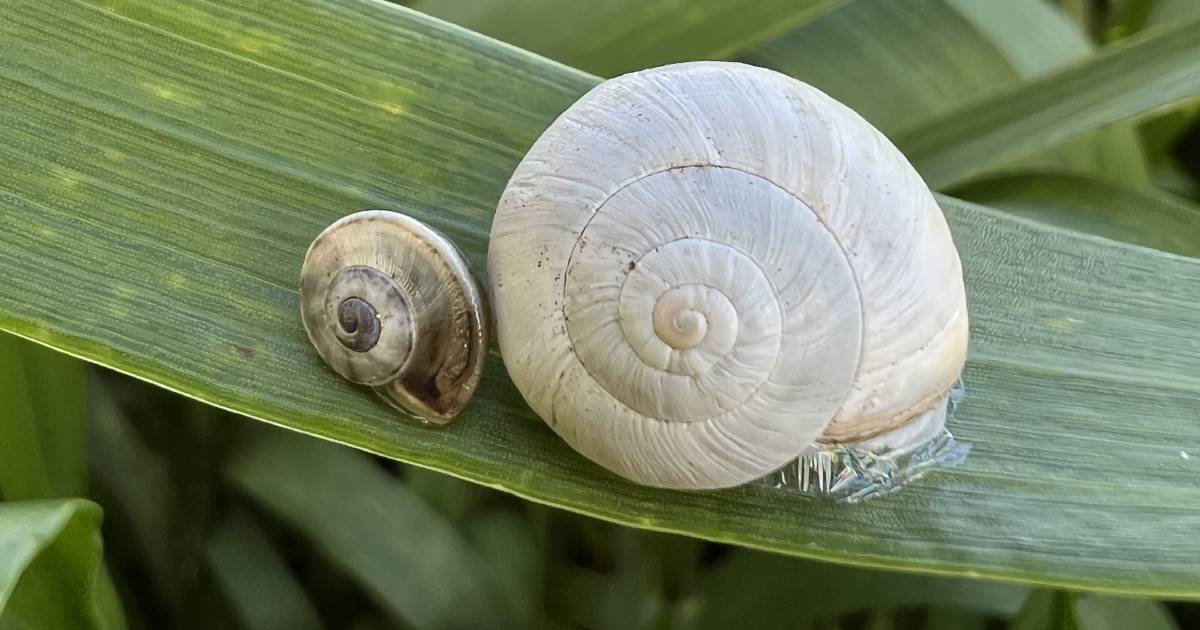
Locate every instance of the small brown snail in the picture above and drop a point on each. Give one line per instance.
(389, 302)
(701, 270)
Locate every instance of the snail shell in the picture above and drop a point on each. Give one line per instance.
(389, 302)
(700, 270)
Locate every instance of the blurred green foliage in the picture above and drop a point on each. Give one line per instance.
(210, 520)
(214, 521)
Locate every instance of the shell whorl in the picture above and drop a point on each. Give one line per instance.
(701, 269)
(389, 302)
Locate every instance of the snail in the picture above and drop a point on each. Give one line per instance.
(389, 302)
(700, 270)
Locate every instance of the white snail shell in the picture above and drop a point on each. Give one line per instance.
(699, 270)
(388, 301)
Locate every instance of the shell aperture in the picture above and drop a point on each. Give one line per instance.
(701, 269)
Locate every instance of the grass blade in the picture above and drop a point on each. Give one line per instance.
(369, 523)
(1164, 12)
(754, 589)
(902, 65)
(507, 545)
(1097, 206)
(255, 579)
(1098, 612)
(51, 567)
(1151, 72)
(1047, 610)
(611, 37)
(1059, 610)
(141, 495)
(42, 437)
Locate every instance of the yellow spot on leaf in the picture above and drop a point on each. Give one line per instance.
(249, 45)
(123, 296)
(1063, 324)
(169, 93)
(162, 91)
(393, 108)
(66, 178)
(177, 279)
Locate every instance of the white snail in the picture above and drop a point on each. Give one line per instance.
(700, 270)
(389, 302)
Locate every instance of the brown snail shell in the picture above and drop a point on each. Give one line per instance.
(389, 302)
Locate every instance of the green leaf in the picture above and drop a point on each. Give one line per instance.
(1037, 39)
(628, 594)
(42, 436)
(611, 37)
(1100, 612)
(1047, 610)
(1166, 12)
(954, 619)
(1059, 610)
(1152, 71)
(140, 494)
(900, 64)
(451, 497)
(406, 555)
(903, 64)
(255, 578)
(1130, 16)
(166, 168)
(508, 547)
(1085, 13)
(750, 589)
(1097, 206)
(51, 567)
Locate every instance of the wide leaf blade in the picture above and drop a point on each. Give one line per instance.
(166, 168)
(901, 65)
(52, 572)
(1153, 71)
(611, 37)
(1059, 610)
(750, 589)
(1097, 206)
(255, 578)
(370, 524)
(42, 435)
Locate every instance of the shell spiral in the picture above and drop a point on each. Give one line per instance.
(701, 269)
(388, 301)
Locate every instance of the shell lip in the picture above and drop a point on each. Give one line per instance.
(407, 388)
